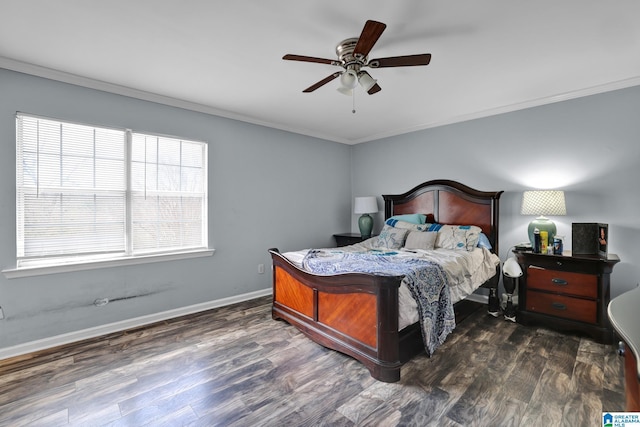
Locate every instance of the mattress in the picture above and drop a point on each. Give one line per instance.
(466, 272)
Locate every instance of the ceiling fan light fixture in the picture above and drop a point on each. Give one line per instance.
(353, 54)
(366, 81)
(348, 79)
(345, 90)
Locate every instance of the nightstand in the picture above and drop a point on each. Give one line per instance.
(567, 293)
(345, 239)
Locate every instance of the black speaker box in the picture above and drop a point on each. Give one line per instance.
(584, 238)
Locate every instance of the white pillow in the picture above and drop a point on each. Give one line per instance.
(421, 240)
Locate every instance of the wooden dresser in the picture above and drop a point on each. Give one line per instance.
(567, 293)
(625, 318)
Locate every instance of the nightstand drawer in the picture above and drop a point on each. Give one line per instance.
(582, 310)
(585, 285)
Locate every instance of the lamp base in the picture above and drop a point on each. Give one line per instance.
(542, 224)
(493, 307)
(510, 310)
(365, 223)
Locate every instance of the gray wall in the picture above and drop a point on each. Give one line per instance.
(272, 188)
(589, 147)
(267, 188)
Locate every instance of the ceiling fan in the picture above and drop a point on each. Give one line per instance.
(353, 56)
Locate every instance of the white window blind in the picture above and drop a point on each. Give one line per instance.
(167, 193)
(85, 191)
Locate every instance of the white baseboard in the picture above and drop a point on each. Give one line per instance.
(43, 344)
(122, 325)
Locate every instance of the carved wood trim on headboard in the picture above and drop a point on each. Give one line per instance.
(449, 202)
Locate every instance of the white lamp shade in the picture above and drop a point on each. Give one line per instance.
(345, 91)
(348, 79)
(366, 81)
(365, 205)
(511, 268)
(543, 202)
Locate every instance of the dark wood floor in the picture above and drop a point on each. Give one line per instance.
(235, 366)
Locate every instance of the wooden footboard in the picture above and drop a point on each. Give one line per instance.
(355, 313)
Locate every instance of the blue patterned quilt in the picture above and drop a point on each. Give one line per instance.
(426, 280)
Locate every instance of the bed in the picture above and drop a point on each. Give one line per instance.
(358, 313)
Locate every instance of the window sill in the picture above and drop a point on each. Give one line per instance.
(14, 273)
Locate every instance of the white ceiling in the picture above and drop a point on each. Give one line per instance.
(224, 57)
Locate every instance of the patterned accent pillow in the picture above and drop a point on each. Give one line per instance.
(421, 240)
(406, 225)
(458, 237)
(390, 238)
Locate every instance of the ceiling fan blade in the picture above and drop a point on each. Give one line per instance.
(401, 61)
(310, 59)
(322, 82)
(374, 89)
(370, 34)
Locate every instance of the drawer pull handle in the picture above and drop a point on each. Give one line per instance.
(558, 306)
(559, 282)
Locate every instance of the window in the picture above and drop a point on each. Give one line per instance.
(88, 193)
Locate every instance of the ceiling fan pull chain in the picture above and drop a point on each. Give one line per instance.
(353, 94)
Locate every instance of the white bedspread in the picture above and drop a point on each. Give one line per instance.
(466, 271)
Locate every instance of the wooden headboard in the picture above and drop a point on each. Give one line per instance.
(449, 202)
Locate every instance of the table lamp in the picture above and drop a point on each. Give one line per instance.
(543, 202)
(365, 206)
(511, 271)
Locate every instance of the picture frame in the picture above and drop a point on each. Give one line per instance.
(590, 238)
(603, 240)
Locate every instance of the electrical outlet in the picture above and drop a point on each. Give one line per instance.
(260, 268)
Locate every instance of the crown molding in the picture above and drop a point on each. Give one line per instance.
(594, 90)
(74, 79)
(77, 80)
